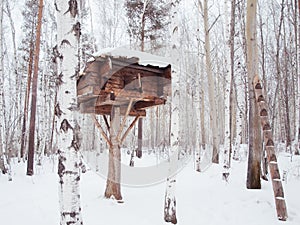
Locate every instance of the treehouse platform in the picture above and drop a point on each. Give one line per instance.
(108, 80)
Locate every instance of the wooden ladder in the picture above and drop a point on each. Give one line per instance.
(269, 146)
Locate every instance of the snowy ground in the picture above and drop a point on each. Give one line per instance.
(202, 198)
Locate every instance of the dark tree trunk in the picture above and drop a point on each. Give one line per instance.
(34, 93)
(264, 166)
(53, 124)
(25, 117)
(139, 151)
(286, 100)
(140, 122)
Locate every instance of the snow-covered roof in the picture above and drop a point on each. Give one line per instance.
(144, 58)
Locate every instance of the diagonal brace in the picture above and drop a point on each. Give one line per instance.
(124, 119)
(98, 125)
(129, 129)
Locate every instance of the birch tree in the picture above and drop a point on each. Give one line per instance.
(254, 154)
(211, 84)
(199, 102)
(227, 141)
(170, 200)
(14, 63)
(66, 112)
(200, 93)
(202, 113)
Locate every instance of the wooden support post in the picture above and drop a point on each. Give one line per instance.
(140, 83)
(269, 145)
(106, 122)
(113, 187)
(139, 152)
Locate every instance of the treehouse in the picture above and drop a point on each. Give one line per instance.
(139, 82)
(121, 83)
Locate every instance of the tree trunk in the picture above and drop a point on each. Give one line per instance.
(143, 29)
(170, 199)
(239, 123)
(139, 152)
(297, 152)
(278, 99)
(211, 87)
(233, 103)
(287, 108)
(113, 187)
(157, 132)
(254, 154)
(140, 122)
(228, 91)
(69, 138)
(53, 124)
(25, 116)
(202, 93)
(196, 111)
(286, 98)
(15, 63)
(198, 99)
(31, 146)
(2, 122)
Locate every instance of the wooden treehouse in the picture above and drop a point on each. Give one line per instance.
(120, 81)
(118, 86)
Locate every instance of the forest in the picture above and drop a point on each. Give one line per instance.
(158, 111)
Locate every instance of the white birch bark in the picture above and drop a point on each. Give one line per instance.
(227, 115)
(202, 95)
(199, 98)
(197, 112)
(66, 110)
(170, 200)
(15, 62)
(239, 123)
